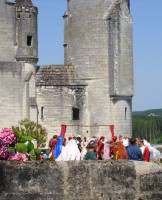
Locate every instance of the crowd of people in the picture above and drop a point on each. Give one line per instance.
(77, 148)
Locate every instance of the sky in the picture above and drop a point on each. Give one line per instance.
(147, 44)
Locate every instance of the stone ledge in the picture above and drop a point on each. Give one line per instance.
(84, 180)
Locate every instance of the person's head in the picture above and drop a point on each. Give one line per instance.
(126, 136)
(79, 139)
(55, 137)
(141, 143)
(120, 137)
(102, 138)
(132, 141)
(70, 138)
(108, 141)
(91, 145)
(138, 140)
(74, 138)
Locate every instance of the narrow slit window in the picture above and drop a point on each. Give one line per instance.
(29, 40)
(42, 113)
(75, 113)
(18, 15)
(125, 113)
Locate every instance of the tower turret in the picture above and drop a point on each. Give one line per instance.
(26, 31)
(24, 3)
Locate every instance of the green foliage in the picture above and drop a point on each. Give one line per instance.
(30, 146)
(146, 113)
(28, 130)
(11, 149)
(37, 152)
(32, 155)
(149, 128)
(21, 148)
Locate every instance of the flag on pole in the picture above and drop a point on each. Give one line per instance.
(63, 130)
(112, 132)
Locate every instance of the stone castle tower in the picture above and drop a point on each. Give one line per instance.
(93, 88)
(18, 54)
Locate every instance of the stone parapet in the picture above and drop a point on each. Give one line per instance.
(85, 180)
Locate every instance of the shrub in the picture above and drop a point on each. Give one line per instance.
(28, 130)
(32, 155)
(37, 152)
(30, 146)
(21, 148)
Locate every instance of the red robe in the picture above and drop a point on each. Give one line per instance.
(118, 151)
(146, 154)
(100, 148)
(52, 145)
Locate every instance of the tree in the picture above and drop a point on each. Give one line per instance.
(148, 127)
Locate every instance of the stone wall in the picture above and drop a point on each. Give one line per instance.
(15, 92)
(17, 79)
(7, 31)
(58, 92)
(85, 180)
(98, 42)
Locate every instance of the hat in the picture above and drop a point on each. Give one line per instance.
(91, 144)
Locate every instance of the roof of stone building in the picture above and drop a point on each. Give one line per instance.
(24, 3)
(56, 75)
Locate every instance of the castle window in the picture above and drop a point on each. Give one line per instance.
(42, 113)
(29, 40)
(18, 16)
(75, 113)
(65, 45)
(125, 113)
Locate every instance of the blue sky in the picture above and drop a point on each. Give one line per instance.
(147, 30)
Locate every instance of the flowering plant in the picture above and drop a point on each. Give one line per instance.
(3, 151)
(18, 156)
(7, 136)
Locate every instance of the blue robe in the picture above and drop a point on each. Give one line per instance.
(134, 153)
(58, 147)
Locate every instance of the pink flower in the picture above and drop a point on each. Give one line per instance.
(3, 152)
(18, 157)
(7, 136)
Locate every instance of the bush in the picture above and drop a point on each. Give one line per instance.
(32, 155)
(21, 148)
(28, 130)
(30, 146)
(37, 152)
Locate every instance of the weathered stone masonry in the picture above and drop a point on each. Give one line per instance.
(18, 53)
(85, 180)
(94, 87)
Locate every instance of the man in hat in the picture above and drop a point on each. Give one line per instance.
(91, 151)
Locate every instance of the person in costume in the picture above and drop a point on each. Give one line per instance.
(106, 153)
(119, 151)
(58, 147)
(134, 152)
(52, 145)
(100, 148)
(70, 152)
(145, 151)
(91, 151)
